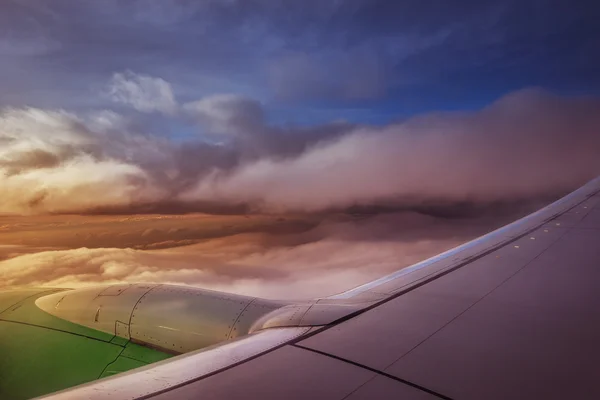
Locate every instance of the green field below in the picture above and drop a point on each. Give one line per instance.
(41, 354)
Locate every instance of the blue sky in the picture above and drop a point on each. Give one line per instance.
(308, 62)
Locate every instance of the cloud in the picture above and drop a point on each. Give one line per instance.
(144, 93)
(77, 185)
(227, 113)
(241, 123)
(86, 267)
(526, 144)
(286, 257)
(338, 253)
(51, 162)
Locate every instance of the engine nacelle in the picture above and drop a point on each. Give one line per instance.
(176, 319)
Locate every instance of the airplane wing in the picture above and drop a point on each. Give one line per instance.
(514, 314)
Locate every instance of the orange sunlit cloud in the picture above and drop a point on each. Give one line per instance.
(277, 257)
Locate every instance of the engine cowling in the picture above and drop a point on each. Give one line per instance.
(176, 319)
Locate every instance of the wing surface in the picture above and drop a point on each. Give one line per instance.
(514, 314)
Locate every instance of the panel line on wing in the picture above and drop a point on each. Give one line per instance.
(480, 299)
(379, 372)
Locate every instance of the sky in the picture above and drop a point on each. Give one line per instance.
(365, 61)
(322, 132)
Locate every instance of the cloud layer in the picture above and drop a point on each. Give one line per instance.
(297, 258)
(313, 210)
(527, 144)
